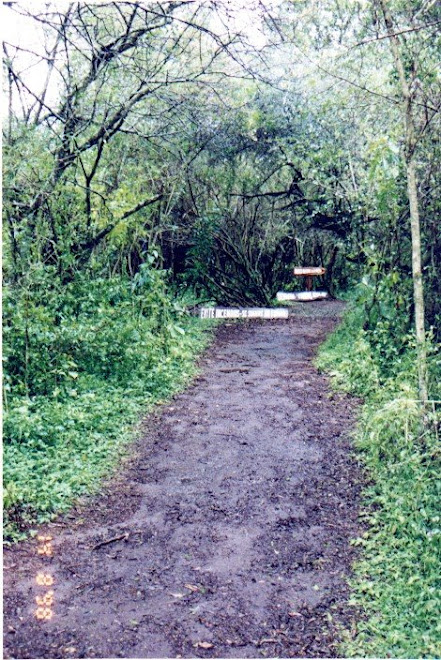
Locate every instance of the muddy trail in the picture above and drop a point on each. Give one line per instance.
(225, 535)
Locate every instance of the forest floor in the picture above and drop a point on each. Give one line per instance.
(227, 532)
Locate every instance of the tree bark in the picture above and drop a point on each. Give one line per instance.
(412, 191)
(417, 276)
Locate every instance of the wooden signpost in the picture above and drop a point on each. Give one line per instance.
(243, 313)
(309, 272)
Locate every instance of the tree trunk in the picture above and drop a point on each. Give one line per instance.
(418, 293)
(411, 140)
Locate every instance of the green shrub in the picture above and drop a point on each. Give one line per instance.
(83, 361)
(396, 587)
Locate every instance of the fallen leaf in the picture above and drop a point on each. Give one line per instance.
(203, 645)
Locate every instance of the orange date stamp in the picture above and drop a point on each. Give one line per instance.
(45, 601)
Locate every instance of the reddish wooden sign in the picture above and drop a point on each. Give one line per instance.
(310, 270)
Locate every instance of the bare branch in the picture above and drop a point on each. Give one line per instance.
(396, 34)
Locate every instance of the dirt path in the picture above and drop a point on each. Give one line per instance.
(233, 521)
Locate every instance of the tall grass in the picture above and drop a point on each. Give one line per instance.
(396, 585)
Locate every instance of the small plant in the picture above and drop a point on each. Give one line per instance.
(395, 587)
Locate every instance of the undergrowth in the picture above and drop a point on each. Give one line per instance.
(83, 362)
(396, 584)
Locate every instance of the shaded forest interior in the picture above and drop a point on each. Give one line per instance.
(229, 153)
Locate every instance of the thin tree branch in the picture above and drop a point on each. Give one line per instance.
(395, 34)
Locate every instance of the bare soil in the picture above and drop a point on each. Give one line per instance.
(227, 534)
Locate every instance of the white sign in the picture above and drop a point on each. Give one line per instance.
(243, 313)
(302, 295)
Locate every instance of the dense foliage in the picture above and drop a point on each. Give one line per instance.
(395, 589)
(85, 359)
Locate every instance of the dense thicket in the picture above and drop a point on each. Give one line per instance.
(168, 132)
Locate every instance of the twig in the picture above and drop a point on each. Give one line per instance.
(113, 540)
(242, 370)
(72, 570)
(396, 34)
